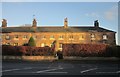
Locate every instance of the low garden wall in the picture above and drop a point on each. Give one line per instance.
(29, 58)
(52, 58)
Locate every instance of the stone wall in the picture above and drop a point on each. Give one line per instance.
(78, 37)
(29, 58)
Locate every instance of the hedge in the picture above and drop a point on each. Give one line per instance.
(26, 50)
(82, 50)
(88, 50)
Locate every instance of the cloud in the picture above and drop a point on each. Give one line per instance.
(112, 13)
(93, 14)
(109, 15)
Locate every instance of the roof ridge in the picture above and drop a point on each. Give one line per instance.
(56, 29)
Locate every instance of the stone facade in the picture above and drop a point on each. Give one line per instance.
(43, 37)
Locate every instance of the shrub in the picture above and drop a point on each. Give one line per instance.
(87, 50)
(31, 42)
(83, 49)
(12, 50)
(26, 50)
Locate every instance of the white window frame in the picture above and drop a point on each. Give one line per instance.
(16, 37)
(71, 37)
(105, 37)
(43, 44)
(92, 36)
(52, 37)
(7, 43)
(43, 37)
(35, 37)
(61, 37)
(81, 37)
(16, 44)
(7, 37)
(60, 46)
(24, 37)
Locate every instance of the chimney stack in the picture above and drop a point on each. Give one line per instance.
(96, 23)
(65, 23)
(4, 23)
(34, 24)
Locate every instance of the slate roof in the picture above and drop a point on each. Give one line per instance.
(55, 29)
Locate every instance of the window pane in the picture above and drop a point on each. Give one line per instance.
(16, 36)
(7, 37)
(104, 37)
(92, 35)
(43, 44)
(24, 36)
(61, 36)
(7, 43)
(43, 37)
(52, 36)
(60, 45)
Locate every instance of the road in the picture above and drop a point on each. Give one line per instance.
(60, 68)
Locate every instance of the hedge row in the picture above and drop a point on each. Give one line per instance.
(26, 50)
(83, 50)
(113, 51)
(102, 50)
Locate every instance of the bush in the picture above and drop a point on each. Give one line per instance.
(26, 50)
(83, 49)
(31, 42)
(88, 50)
(13, 50)
(113, 51)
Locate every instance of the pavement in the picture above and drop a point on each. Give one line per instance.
(61, 67)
